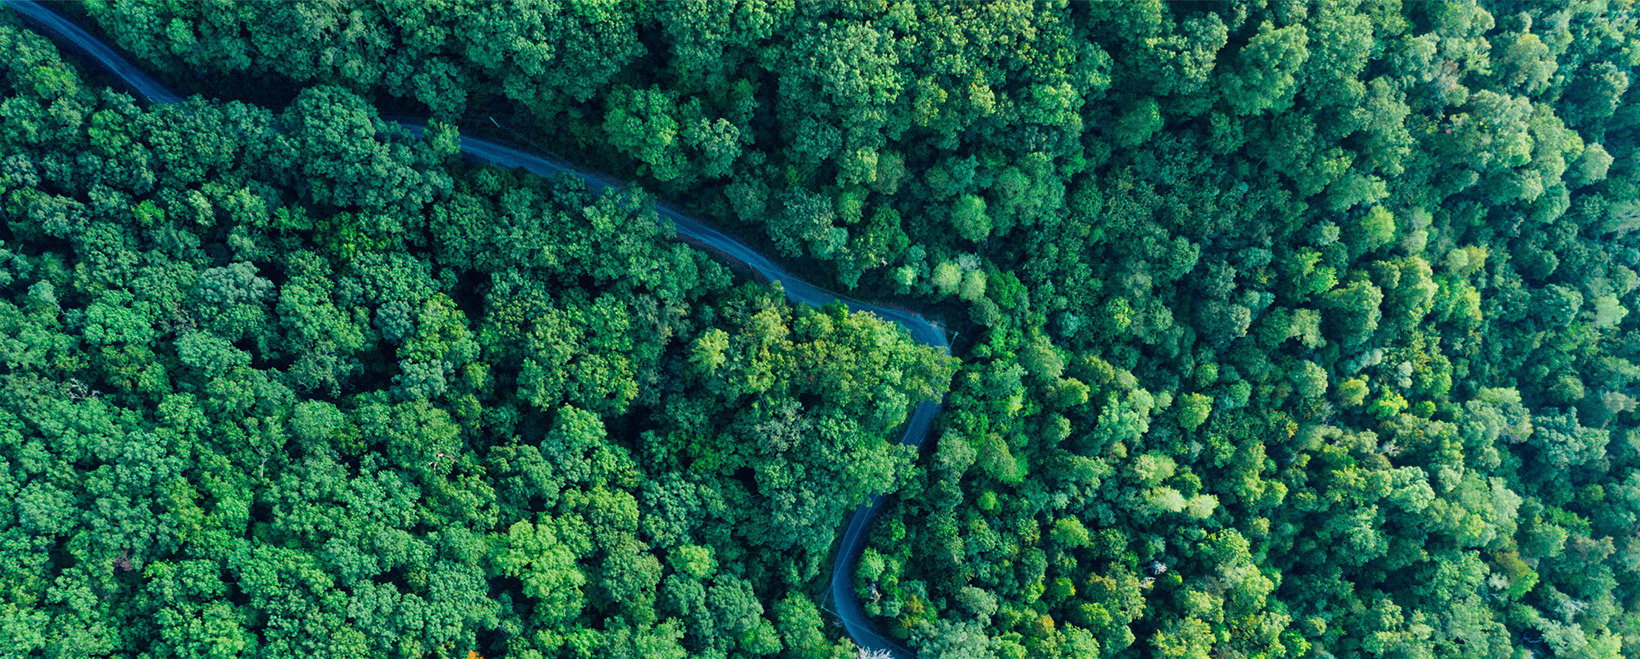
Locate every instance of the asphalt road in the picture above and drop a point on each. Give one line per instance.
(846, 604)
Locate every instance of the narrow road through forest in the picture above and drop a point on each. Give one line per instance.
(845, 604)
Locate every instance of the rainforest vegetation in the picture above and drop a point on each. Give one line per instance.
(1283, 329)
(295, 384)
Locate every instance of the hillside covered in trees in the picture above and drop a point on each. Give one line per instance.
(1285, 329)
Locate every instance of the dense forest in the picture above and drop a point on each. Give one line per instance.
(296, 384)
(1285, 329)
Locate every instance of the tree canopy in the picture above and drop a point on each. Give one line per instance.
(1285, 329)
(297, 383)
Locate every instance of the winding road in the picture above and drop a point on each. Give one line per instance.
(847, 606)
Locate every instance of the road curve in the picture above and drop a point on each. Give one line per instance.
(841, 591)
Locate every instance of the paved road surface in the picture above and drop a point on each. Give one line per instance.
(846, 605)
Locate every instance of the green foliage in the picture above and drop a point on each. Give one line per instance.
(1193, 410)
(969, 219)
(299, 384)
(1321, 307)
